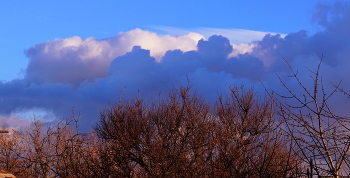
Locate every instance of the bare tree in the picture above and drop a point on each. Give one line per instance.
(182, 136)
(9, 160)
(57, 150)
(251, 144)
(321, 136)
(171, 138)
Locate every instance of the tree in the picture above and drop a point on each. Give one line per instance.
(321, 136)
(250, 141)
(8, 158)
(182, 136)
(171, 138)
(57, 150)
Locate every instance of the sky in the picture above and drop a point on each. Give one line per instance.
(59, 55)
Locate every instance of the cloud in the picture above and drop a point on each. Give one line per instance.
(12, 122)
(241, 49)
(70, 60)
(89, 74)
(242, 40)
(136, 70)
(74, 60)
(236, 36)
(332, 41)
(158, 44)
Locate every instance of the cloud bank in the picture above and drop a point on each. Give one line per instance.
(89, 74)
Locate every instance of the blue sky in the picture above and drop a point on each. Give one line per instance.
(59, 55)
(25, 23)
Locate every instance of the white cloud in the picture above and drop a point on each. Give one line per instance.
(157, 44)
(236, 36)
(241, 49)
(88, 59)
